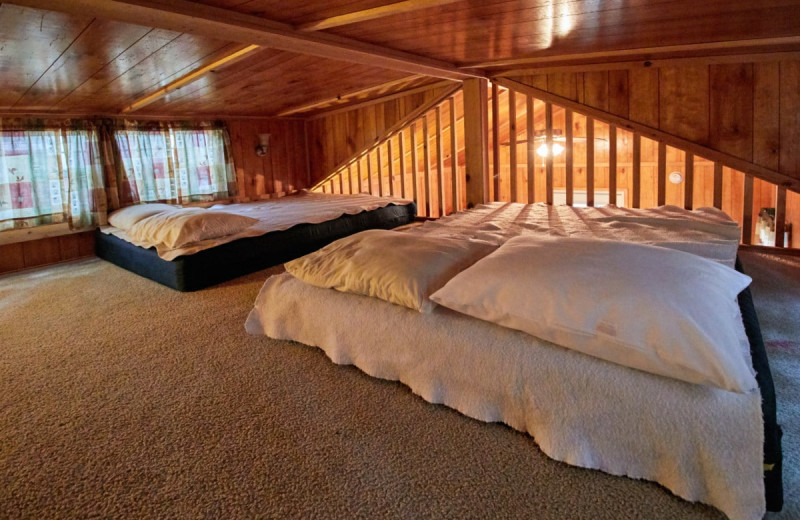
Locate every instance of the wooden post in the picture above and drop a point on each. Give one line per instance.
(391, 166)
(718, 185)
(402, 164)
(476, 141)
(747, 210)
(688, 183)
(454, 155)
(662, 174)
(414, 165)
(426, 154)
(495, 195)
(637, 170)
(780, 216)
(531, 149)
(589, 161)
(360, 176)
(512, 143)
(548, 120)
(568, 157)
(612, 164)
(440, 160)
(380, 170)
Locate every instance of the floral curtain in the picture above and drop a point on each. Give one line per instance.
(172, 162)
(49, 173)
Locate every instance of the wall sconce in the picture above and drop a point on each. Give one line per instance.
(676, 177)
(263, 145)
(543, 150)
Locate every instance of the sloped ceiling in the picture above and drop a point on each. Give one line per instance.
(103, 56)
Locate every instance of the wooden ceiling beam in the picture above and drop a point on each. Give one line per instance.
(371, 14)
(188, 78)
(782, 44)
(223, 24)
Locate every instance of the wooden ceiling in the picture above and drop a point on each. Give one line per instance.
(171, 57)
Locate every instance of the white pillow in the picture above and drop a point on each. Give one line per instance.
(179, 227)
(655, 309)
(124, 218)
(397, 267)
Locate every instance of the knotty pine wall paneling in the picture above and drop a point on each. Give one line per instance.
(283, 170)
(44, 251)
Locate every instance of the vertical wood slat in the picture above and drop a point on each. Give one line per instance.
(548, 117)
(747, 210)
(688, 183)
(589, 161)
(531, 150)
(495, 143)
(637, 170)
(360, 176)
(662, 174)
(780, 216)
(512, 143)
(369, 172)
(454, 155)
(718, 185)
(391, 166)
(612, 164)
(402, 146)
(568, 157)
(440, 160)
(341, 181)
(414, 166)
(379, 173)
(350, 177)
(426, 155)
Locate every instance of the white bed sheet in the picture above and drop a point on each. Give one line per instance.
(702, 443)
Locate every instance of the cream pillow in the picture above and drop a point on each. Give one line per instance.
(124, 218)
(655, 309)
(397, 267)
(179, 227)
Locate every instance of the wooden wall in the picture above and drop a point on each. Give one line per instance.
(283, 170)
(52, 250)
(335, 138)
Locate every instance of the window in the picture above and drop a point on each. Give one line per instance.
(173, 164)
(50, 176)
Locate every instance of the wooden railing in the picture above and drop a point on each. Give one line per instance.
(542, 151)
(417, 159)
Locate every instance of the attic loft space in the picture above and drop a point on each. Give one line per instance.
(329, 82)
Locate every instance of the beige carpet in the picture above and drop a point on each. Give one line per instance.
(120, 398)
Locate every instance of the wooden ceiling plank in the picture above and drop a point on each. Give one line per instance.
(364, 15)
(53, 35)
(702, 49)
(742, 165)
(366, 91)
(78, 63)
(188, 78)
(382, 99)
(169, 62)
(644, 61)
(208, 21)
(90, 89)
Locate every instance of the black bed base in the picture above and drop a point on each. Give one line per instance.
(773, 455)
(246, 255)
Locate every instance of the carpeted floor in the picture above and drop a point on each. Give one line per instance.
(120, 398)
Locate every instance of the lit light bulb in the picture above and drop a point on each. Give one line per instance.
(543, 150)
(557, 149)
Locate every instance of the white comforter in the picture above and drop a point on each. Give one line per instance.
(702, 443)
(275, 215)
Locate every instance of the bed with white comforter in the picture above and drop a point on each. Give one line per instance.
(702, 442)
